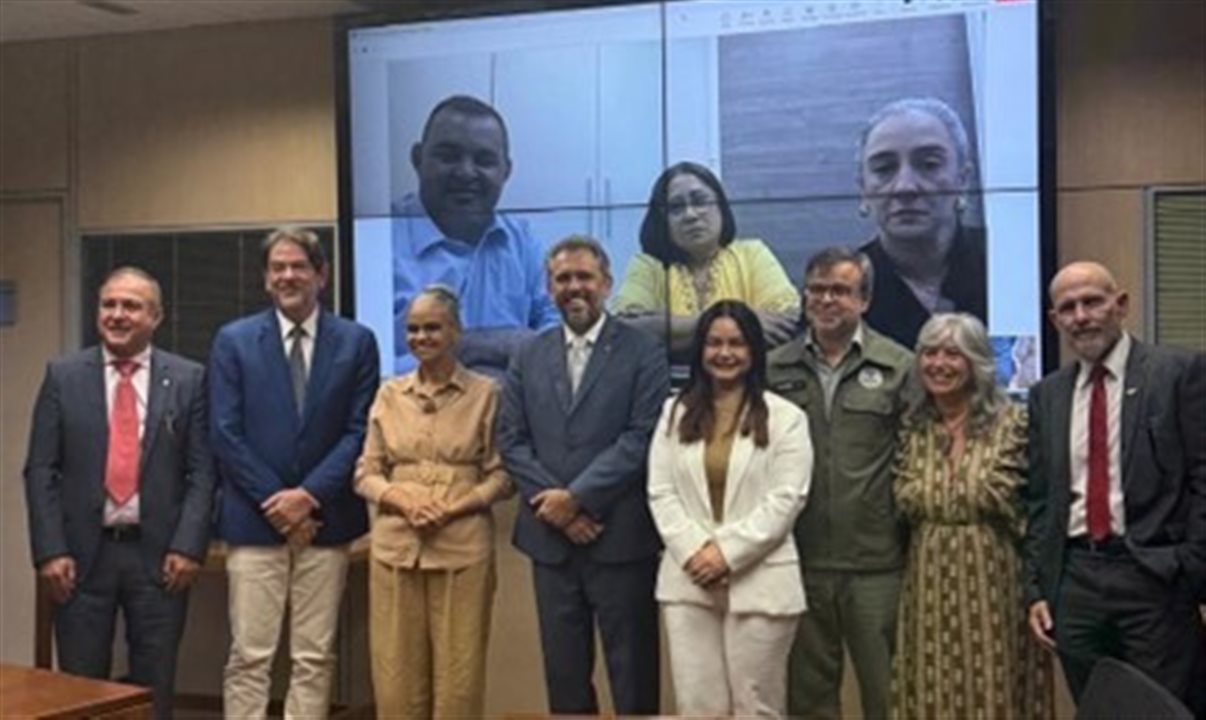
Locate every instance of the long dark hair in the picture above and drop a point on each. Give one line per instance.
(655, 228)
(699, 411)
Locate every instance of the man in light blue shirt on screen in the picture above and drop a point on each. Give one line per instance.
(449, 233)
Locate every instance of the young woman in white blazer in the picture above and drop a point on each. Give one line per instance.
(729, 469)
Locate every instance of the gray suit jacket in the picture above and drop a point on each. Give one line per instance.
(68, 446)
(1163, 468)
(595, 442)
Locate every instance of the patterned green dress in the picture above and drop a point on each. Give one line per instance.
(963, 649)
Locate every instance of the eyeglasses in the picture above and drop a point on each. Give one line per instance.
(837, 291)
(697, 200)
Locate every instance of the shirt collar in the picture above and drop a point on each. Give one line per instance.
(409, 383)
(856, 341)
(591, 336)
(1114, 361)
(423, 230)
(310, 325)
(143, 359)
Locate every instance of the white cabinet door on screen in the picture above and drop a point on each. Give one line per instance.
(549, 99)
(586, 161)
(631, 152)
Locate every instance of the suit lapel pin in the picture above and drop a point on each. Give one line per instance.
(1131, 391)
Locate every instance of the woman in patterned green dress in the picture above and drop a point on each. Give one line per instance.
(963, 650)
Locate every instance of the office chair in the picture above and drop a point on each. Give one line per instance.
(1117, 690)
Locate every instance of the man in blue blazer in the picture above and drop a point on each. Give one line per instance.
(579, 406)
(119, 487)
(290, 389)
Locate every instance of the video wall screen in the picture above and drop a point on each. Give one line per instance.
(711, 146)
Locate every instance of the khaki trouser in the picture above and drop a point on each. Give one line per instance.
(428, 631)
(263, 580)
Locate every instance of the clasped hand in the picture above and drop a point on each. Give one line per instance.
(707, 567)
(286, 509)
(421, 510)
(289, 512)
(558, 507)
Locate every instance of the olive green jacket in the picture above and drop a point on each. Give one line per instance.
(850, 522)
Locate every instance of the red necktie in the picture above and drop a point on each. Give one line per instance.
(121, 467)
(1097, 495)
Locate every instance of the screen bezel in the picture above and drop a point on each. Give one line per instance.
(1046, 18)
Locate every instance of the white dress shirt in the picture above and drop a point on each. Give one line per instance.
(127, 512)
(578, 349)
(1115, 380)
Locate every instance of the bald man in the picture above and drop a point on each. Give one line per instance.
(1116, 544)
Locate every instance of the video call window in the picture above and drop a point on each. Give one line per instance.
(908, 129)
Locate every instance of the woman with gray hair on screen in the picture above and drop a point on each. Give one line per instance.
(914, 175)
(431, 470)
(962, 644)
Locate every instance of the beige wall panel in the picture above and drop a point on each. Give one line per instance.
(1132, 93)
(31, 240)
(514, 669)
(1107, 226)
(234, 124)
(34, 126)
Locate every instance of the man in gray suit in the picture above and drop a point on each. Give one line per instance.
(119, 486)
(579, 406)
(1116, 543)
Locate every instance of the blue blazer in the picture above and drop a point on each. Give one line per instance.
(68, 447)
(594, 443)
(261, 444)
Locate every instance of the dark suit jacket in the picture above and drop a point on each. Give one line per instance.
(261, 444)
(595, 443)
(68, 448)
(895, 310)
(1163, 467)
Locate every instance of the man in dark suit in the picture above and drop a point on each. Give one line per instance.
(119, 486)
(1116, 543)
(579, 406)
(290, 389)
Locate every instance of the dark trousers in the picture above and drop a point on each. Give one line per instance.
(1110, 605)
(154, 619)
(854, 611)
(570, 597)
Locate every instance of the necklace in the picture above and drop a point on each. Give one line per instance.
(701, 279)
(954, 426)
(951, 442)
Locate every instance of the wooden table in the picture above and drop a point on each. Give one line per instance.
(32, 693)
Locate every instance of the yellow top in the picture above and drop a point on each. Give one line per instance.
(743, 270)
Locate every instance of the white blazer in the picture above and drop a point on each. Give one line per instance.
(765, 490)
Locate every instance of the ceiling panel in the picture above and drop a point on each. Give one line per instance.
(40, 19)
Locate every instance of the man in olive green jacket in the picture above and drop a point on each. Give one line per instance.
(848, 378)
